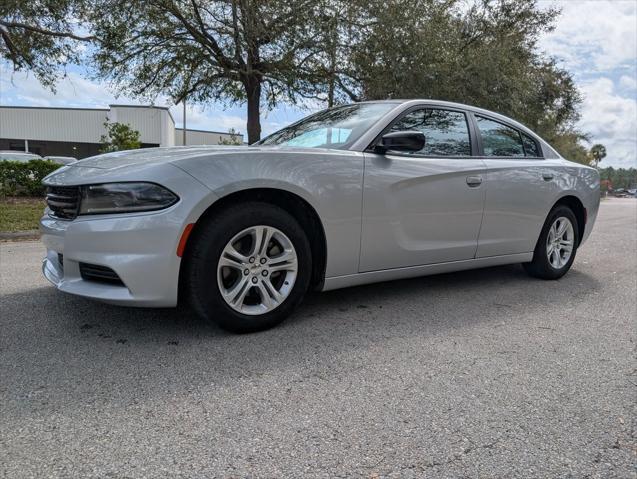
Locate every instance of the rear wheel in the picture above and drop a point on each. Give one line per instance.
(249, 267)
(555, 250)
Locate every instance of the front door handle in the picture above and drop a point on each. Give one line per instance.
(474, 181)
(547, 175)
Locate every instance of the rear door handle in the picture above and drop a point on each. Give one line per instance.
(548, 176)
(474, 181)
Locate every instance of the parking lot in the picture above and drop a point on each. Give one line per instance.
(486, 373)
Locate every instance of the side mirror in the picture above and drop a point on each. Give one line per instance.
(401, 141)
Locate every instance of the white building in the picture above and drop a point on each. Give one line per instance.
(77, 131)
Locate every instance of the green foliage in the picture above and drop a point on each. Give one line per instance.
(235, 138)
(38, 35)
(481, 52)
(18, 178)
(208, 50)
(20, 214)
(570, 145)
(485, 55)
(119, 137)
(598, 153)
(619, 177)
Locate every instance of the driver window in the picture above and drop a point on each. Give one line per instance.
(446, 132)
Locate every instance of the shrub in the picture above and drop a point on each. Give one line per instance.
(19, 178)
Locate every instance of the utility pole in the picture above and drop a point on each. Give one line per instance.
(184, 130)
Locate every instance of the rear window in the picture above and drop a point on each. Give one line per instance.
(530, 146)
(499, 139)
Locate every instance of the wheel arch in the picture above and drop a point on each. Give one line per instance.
(578, 209)
(292, 203)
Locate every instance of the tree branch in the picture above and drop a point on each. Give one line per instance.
(44, 31)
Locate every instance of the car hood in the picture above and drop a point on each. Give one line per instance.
(152, 156)
(133, 164)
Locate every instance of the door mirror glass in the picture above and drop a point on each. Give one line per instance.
(408, 141)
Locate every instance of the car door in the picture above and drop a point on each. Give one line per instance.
(424, 207)
(520, 187)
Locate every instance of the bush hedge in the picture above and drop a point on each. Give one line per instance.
(24, 178)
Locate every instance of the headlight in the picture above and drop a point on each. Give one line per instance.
(124, 198)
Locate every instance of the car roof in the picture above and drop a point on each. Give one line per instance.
(404, 104)
(448, 104)
(459, 106)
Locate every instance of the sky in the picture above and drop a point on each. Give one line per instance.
(595, 40)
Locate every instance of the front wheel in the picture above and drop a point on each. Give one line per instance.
(249, 267)
(555, 250)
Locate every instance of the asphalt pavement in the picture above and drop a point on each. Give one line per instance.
(487, 373)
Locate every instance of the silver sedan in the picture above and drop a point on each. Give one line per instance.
(356, 194)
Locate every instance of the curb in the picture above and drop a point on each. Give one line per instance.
(19, 235)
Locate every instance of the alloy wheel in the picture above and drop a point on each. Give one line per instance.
(559, 242)
(257, 270)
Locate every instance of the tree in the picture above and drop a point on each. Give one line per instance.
(619, 178)
(262, 52)
(570, 145)
(598, 153)
(40, 36)
(235, 138)
(235, 51)
(485, 55)
(119, 137)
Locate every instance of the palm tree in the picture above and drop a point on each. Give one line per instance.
(598, 153)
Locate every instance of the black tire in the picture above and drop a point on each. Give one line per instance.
(204, 251)
(540, 266)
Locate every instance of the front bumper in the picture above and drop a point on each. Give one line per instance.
(141, 248)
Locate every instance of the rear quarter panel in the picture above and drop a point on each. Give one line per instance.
(584, 184)
(580, 181)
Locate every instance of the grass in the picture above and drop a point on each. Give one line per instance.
(20, 214)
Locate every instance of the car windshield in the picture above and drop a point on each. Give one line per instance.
(333, 128)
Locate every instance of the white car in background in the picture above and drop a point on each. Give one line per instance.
(355, 194)
(61, 160)
(22, 156)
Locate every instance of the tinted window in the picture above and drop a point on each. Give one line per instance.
(530, 146)
(446, 132)
(499, 139)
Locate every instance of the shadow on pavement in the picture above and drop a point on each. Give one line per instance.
(68, 345)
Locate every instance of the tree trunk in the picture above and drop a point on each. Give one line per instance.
(332, 52)
(253, 92)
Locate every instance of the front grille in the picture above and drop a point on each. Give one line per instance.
(63, 201)
(101, 274)
(61, 260)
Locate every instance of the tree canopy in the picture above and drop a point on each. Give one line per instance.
(485, 56)
(598, 153)
(617, 178)
(262, 52)
(248, 51)
(42, 35)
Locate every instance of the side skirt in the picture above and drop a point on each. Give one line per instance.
(337, 282)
